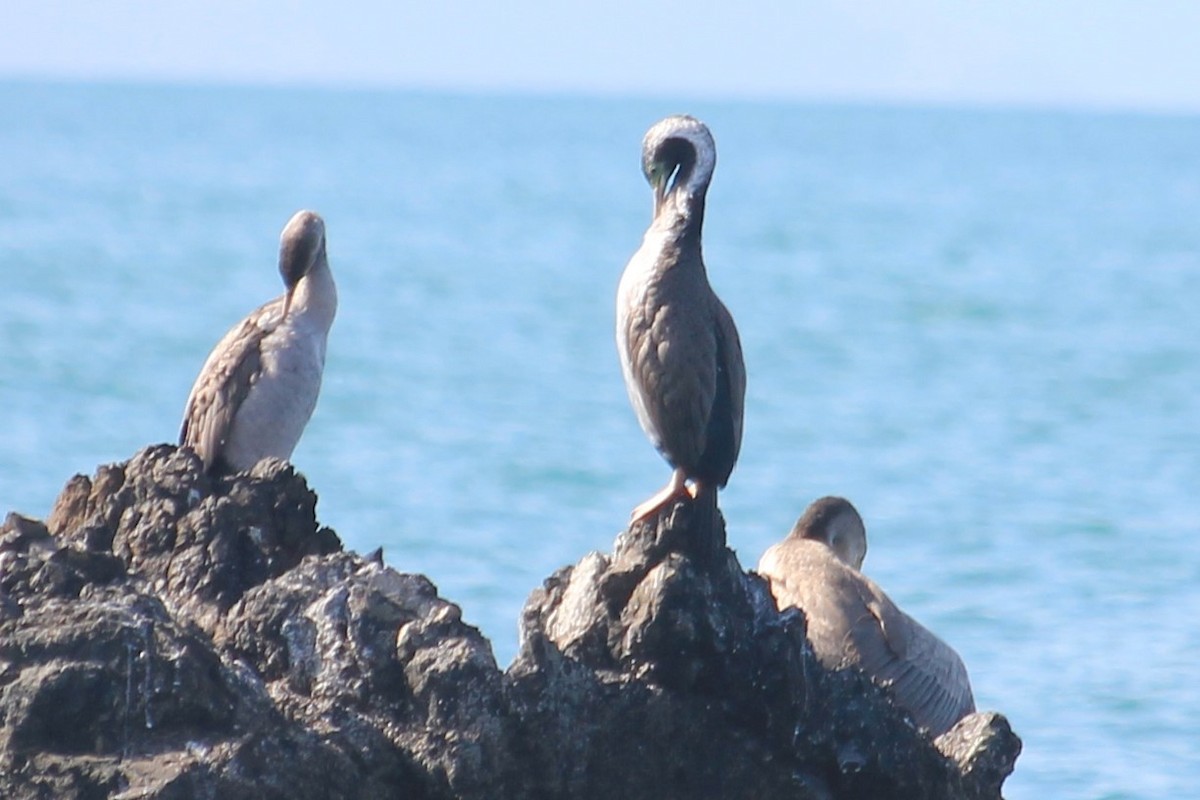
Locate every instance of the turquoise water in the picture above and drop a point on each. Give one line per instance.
(982, 327)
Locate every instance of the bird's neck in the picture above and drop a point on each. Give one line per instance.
(315, 298)
(680, 222)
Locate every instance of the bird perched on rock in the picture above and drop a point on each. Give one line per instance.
(852, 622)
(679, 349)
(259, 386)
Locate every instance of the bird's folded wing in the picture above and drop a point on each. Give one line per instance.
(226, 378)
(925, 674)
(732, 369)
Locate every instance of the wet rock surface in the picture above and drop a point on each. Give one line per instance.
(169, 635)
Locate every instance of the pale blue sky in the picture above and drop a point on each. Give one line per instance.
(1139, 54)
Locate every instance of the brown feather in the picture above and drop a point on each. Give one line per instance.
(231, 369)
(851, 621)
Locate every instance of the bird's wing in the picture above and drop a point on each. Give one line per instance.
(729, 404)
(226, 378)
(670, 373)
(851, 621)
(925, 674)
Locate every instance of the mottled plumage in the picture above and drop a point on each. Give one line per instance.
(852, 622)
(679, 349)
(259, 386)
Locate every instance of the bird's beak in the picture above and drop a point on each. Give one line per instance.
(660, 191)
(287, 302)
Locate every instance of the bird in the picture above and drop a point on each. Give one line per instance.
(851, 622)
(680, 354)
(259, 386)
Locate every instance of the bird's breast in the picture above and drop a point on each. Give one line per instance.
(282, 397)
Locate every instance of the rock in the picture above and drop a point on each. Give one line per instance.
(105, 694)
(671, 661)
(200, 542)
(985, 750)
(170, 635)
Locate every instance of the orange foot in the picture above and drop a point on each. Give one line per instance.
(674, 488)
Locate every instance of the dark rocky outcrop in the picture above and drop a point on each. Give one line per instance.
(170, 635)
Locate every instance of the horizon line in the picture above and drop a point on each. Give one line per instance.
(848, 101)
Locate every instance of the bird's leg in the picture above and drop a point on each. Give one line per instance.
(675, 487)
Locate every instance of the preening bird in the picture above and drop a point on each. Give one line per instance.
(679, 349)
(259, 386)
(852, 622)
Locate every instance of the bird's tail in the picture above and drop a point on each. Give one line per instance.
(708, 526)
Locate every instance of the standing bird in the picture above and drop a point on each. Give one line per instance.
(259, 386)
(852, 622)
(679, 349)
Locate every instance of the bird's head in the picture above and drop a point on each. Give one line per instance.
(678, 157)
(301, 248)
(835, 522)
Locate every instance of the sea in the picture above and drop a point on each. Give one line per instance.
(981, 326)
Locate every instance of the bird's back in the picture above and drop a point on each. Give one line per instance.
(851, 621)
